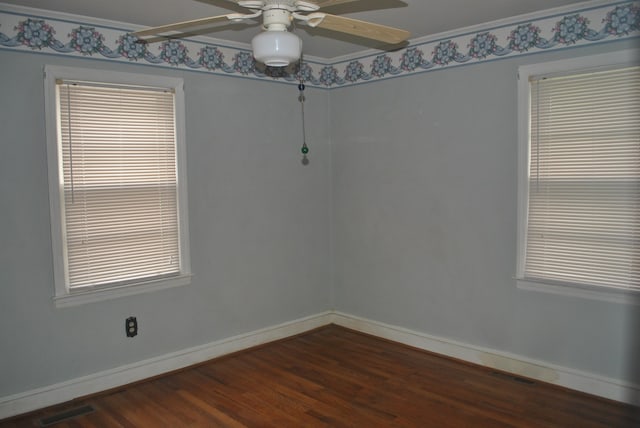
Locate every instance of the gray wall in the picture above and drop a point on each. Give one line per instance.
(424, 194)
(417, 192)
(258, 222)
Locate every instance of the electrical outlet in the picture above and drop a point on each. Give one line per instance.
(131, 326)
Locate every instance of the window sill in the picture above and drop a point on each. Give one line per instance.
(605, 294)
(80, 297)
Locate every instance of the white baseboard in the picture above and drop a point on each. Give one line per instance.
(569, 378)
(65, 391)
(590, 383)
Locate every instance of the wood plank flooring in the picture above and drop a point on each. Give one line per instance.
(336, 377)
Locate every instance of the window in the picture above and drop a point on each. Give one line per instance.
(579, 189)
(117, 183)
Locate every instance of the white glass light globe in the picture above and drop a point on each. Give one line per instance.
(276, 48)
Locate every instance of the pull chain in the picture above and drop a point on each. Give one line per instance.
(301, 98)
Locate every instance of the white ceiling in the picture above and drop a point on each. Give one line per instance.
(420, 17)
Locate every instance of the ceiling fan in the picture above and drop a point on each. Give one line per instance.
(276, 46)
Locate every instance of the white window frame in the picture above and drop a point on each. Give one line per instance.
(611, 60)
(63, 296)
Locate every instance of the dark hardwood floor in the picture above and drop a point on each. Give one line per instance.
(339, 378)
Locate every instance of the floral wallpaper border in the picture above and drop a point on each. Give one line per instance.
(39, 34)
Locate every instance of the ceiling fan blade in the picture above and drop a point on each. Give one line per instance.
(227, 4)
(359, 28)
(185, 25)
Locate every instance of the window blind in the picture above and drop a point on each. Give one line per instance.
(118, 149)
(584, 179)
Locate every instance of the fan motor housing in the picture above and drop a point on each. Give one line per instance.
(277, 19)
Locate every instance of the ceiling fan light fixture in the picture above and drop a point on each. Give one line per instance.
(276, 48)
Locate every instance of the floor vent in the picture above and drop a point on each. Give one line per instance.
(69, 414)
(513, 378)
